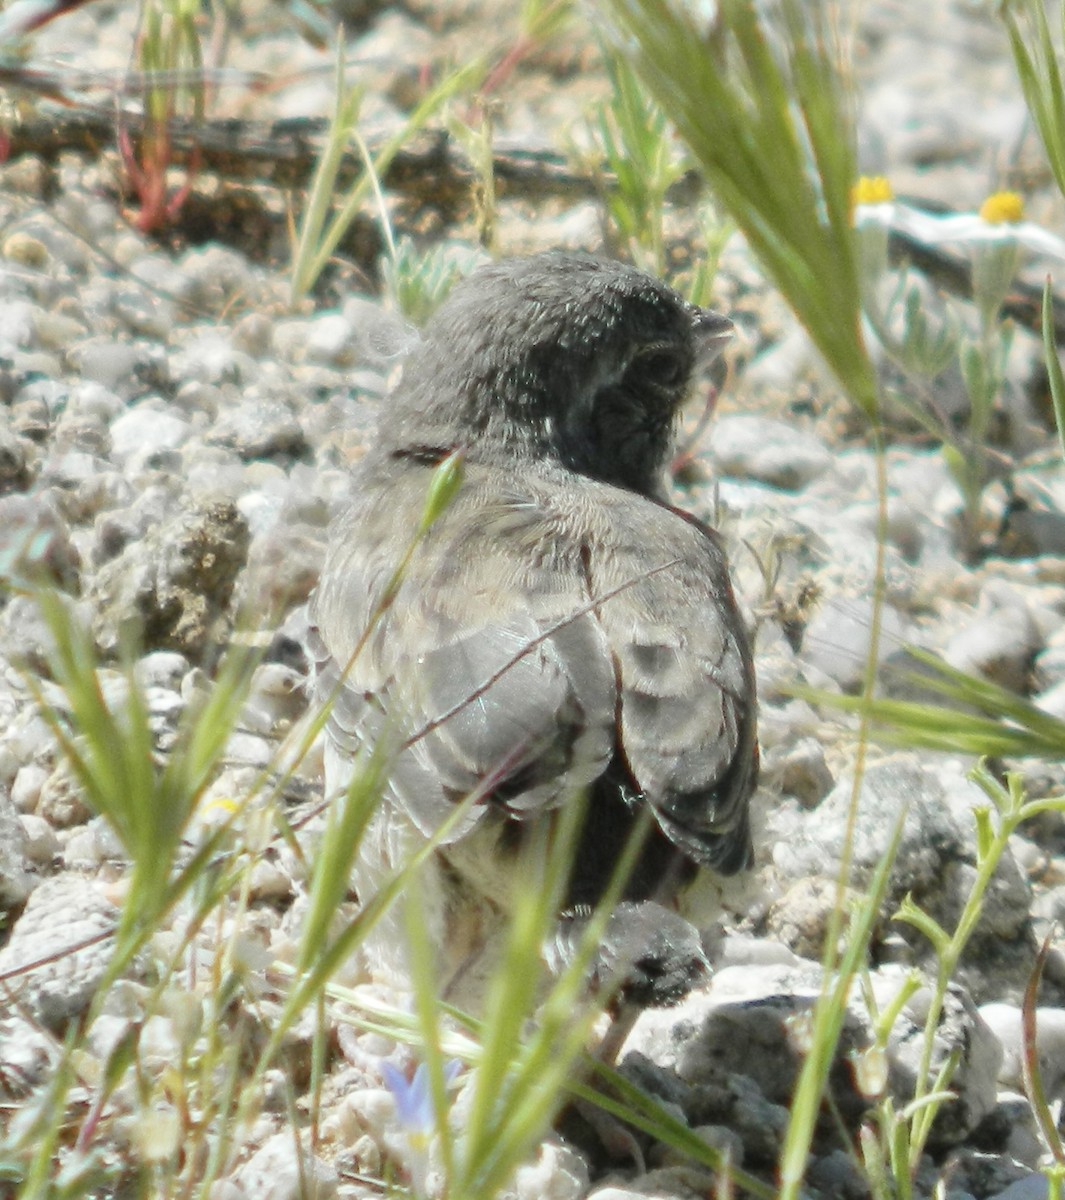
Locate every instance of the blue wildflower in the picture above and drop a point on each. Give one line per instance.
(414, 1107)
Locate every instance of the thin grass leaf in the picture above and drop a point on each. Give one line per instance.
(330, 955)
(1054, 372)
(1055, 1177)
(925, 726)
(885, 1020)
(427, 1010)
(204, 731)
(640, 154)
(873, 1160)
(940, 1095)
(108, 742)
(923, 1109)
(623, 1099)
(1003, 724)
(320, 194)
(346, 823)
(525, 1091)
(899, 1144)
(1010, 805)
(1030, 1069)
(111, 754)
(829, 1013)
(511, 1001)
(991, 698)
(769, 125)
(104, 770)
(1040, 76)
(318, 245)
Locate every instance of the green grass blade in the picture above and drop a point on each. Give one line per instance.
(1054, 372)
(768, 124)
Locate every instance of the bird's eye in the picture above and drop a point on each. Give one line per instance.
(664, 367)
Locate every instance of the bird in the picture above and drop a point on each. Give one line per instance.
(559, 628)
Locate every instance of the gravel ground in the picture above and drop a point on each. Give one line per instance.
(183, 434)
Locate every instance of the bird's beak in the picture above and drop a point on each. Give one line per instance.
(712, 331)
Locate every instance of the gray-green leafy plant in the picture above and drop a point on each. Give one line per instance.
(417, 279)
(893, 1156)
(925, 336)
(643, 162)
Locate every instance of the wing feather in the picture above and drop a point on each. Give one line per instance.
(479, 662)
(686, 677)
(542, 632)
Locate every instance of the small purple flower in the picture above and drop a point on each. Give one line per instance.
(414, 1107)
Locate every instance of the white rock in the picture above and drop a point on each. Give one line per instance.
(161, 669)
(1005, 1022)
(92, 399)
(107, 361)
(836, 641)
(783, 363)
(1052, 701)
(751, 1021)
(16, 882)
(41, 844)
(160, 272)
(936, 850)
(142, 432)
(557, 1173)
(16, 325)
(999, 645)
(760, 448)
(274, 1172)
(213, 358)
(67, 927)
(330, 339)
(26, 788)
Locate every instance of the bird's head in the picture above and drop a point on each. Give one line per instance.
(562, 357)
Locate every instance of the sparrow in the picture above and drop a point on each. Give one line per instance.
(561, 628)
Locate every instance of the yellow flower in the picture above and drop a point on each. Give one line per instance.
(219, 809)
(999, 222)
(872, 189)
(1003, 208)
